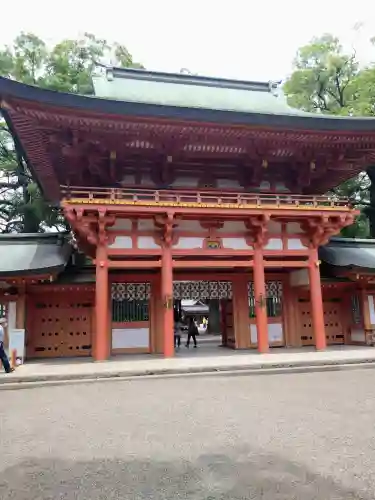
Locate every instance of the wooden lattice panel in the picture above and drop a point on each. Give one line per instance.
(59, 327)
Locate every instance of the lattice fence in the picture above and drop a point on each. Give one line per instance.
(130, 291)
(196, 290)
(273, 289)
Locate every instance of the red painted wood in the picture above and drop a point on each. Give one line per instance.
(167, 297)
(260, 298)
(101, 306)
(317, 310)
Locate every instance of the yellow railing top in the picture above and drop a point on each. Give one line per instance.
(200, 199)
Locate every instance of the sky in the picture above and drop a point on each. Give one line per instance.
(242, 39)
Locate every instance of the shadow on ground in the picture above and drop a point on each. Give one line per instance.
(211, 477)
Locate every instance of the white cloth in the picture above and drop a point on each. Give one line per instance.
(2, 334)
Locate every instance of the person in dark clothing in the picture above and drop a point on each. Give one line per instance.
(192, 332)
(177, 334)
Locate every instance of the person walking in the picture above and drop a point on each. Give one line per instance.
(3, 357)
(192, 332)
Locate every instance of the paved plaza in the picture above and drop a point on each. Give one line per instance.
(294, 436)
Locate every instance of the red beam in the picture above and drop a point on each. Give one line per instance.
(134, 264)
(285, 263)
(118, 252)
(183, 264)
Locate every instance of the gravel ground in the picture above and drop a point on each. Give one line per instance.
(295, 436)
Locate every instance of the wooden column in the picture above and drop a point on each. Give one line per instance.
(167, 297)
(317, 310)
(21, 308)
(365, 308)
(241, 311)
(101, 305)
(260, 301)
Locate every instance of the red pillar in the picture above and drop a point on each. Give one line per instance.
(167, 296)
(260, 301)
(101, 305)
(317, 310)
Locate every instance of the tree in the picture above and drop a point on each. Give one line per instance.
(328, 80)
(323, 77)
(66, 67)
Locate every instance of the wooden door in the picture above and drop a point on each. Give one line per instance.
(333, 321)
(306, 330)
(59, 325)
(227, 323)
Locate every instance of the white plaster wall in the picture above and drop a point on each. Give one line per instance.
(187, 243)
(295, 244)
(146, 225)
(122, 242)
(357, 335)
(190, 225)
(147, 242)
(122, 225)
(275, 333)
(253, 334)
(274, 227)
(274, 244)
(371, 309)
(236, 243)
(233, 227)
(293, 228)
(127, 338)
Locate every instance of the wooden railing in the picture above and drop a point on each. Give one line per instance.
(199, 198)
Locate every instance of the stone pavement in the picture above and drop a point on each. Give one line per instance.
(305, 436)
(206, 359)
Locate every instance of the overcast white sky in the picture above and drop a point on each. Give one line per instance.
(230, 38)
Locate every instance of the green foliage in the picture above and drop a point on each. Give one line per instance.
(328, 80)
(323, 78)
(66, 67)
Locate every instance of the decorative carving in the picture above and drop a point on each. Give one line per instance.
(212, 243)
(257, 227)
(319, 230)
(166, 226)
(92, 229)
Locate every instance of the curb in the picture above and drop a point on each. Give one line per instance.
(12, 383)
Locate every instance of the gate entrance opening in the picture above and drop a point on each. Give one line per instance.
(210, 304)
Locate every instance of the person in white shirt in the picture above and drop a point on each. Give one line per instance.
(3, 357)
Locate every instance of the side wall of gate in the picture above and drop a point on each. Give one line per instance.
(337, 316)
(59, 322)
